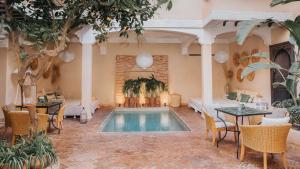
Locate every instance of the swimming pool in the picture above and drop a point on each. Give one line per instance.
(143, 121)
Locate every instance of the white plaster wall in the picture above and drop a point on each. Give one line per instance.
(3, 60)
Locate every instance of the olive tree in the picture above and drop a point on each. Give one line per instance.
(41, 29)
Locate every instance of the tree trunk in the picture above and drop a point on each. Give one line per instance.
(33, 118)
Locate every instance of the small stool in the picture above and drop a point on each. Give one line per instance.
(175, 100)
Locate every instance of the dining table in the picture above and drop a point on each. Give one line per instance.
(239, 113)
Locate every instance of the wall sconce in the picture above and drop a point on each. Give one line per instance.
(120, 100)
(164, 98)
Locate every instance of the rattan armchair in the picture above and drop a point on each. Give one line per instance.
(43, 122)
(216, 127)
(6, 118)
(255, 120)
(59, 118)
(266, 139)
(21, 124)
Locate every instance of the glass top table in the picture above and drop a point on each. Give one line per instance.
(238, 112)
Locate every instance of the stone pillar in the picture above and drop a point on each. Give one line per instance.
(86, 79)
(206, 65)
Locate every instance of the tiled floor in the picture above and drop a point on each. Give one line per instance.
(82, 146)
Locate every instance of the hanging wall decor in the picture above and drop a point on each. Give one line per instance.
(239, 75)
(236, 59)
(254, 59)
(251, 76)
(244, 59)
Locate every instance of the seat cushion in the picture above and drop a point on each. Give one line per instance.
(245, 98)
(220, 124)
(232, 96)
(275, 121)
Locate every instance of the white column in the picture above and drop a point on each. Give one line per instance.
(86, 79)
(206, 65)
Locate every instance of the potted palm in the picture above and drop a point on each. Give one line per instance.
(127, 91)
(151, 88)
(291, 81)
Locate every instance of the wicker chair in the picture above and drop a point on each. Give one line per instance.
(43, 123)
(255, 120)
(266, 139)
(20, 121)
(216, 127)
(59, 118)
(6, 118)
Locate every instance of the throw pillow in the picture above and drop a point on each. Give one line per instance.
(245, 98)
(274, 121)
(232, 96)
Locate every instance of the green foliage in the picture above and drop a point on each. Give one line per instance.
(42, 22)
(40, 150)
(290, 82)
(132, 87)
(294, 28)
(282, 2)
(258, 66)
(244, 28)
(28, 152)
(13, 157)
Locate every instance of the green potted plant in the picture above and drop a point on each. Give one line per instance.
(127, 91)
(40, 152)
(290, 82)
(13, 157)
(30, 153)
(151, 88)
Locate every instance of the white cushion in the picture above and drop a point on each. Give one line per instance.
(272, 121)
(220, 124)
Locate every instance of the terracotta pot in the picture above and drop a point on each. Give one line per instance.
(6, 167)
(131, 102)
(147, 100)
(157, 101)
(37, 164)
(152, 101)
(134, 102)
(126, 103)
(137, 102)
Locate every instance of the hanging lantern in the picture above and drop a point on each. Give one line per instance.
(221, 57)
(144, 60)
(66, 56)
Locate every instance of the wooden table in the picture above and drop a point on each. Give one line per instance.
(238, 112)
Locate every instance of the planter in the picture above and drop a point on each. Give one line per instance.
(126, 103)
(157, 101)
(136, 102)
(295, 117)
(152, 102)
(147, 102)
(131, 102)
(296, 120)
(37, 164)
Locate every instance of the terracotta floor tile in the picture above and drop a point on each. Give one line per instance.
(83, 146)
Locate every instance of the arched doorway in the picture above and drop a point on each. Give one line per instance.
(282, 54)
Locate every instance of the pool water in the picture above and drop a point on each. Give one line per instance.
(143, 121)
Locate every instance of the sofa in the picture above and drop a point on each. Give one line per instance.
(234, 99)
